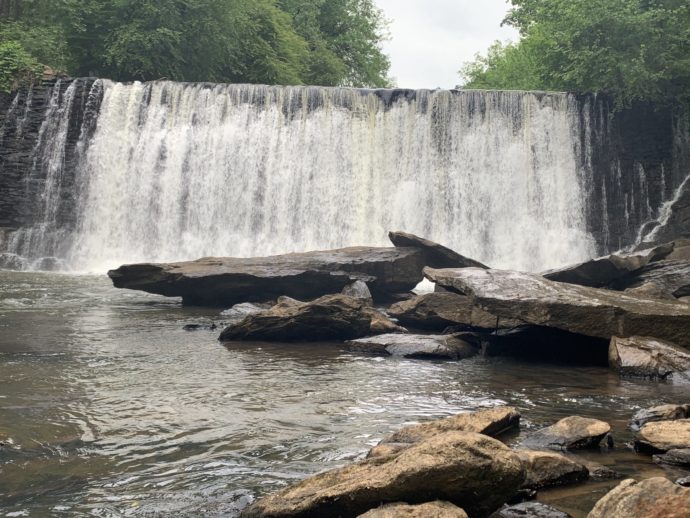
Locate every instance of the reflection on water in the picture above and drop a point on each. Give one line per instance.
(109, 408)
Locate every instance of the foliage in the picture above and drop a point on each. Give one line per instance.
(257, 41)
(17, 66)
(632, 49)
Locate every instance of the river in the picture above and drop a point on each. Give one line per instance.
(109, 408)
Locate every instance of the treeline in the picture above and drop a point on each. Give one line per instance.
(631, 49)
(320, 42)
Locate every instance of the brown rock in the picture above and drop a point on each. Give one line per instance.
(649, 358)
(675, 458)
(429, 510)
(547, 469)
(415, 346)
(226, 281)
(659, 413)
(437, 256)
(571, 433)
(578, 309)
(661, 436)
(470, 470)
(530, 510)
(651, 498)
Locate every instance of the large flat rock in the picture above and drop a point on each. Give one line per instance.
(472, 471)
(570, 433)
(578, 309)
(651, 498)
(668, 279)
(415, 346)
(649, 358)
(662, 436)
(224, 281)
(436, 255)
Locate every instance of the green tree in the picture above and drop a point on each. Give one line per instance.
(17, 66)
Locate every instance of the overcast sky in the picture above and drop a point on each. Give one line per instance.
(431, 39)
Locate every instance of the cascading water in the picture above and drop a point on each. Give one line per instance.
(178, 171)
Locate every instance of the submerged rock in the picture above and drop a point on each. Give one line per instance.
(472, 471)
(530, 510)
(437, 256)
(227, 280)
(602, 271)
(662, 436)
(571, 433)
(436, 509)
(659, 413)
(649, 358)
(548, 469)
(440, 310)
(200, 327)
(578, 309)
(651, 498)
(415, 346)
(675, 458)
(326, 318)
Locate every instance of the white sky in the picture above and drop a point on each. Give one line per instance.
(431, 39)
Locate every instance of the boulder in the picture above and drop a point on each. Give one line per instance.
(358, 290)
(530, 510)
(437, 256)
(651, 498)
(649, 358)
(600, 272)
(228, 280)
(239, 311)
(436, 509)
(664, 279)
(662, 436)
(472, 471)
(659, 413)
(578, 309)
(547, 469)
(439, 310)
(380, 323)
(491, 421)
(415, 346)
(571, 433)
(326, 318)
(675, 458)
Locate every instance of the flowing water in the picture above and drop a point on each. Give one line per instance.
(109, 408)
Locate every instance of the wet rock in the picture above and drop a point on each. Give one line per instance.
(358, 290)
(600, 272)
(429, 510)
(675, 458)
(651, 498)
(664, 279)
(12, 262)
(662, 436)
(437, 256)
(327, 318)
(437, 311)
(530, 510)
(380, 323)
(547, 469)
(226, 281)
(659, 413)
(200, 327)
(577, 309)
(599, 471)
(571, 433)
(649, 358)
(472, 471)
(415, 346)
(491, 421)
(239, 311)
(685, 481)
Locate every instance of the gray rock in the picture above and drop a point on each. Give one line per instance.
(651, 498)
(326, 318)
(472, 471)
(358, 290)
(239, 311)
(649, 358)
(578, 309)
(227, 281)
(549, 469)
(530, 510)
(415, 346)
(437, 256)
(664, 279)
(684, 481)
(571, 433)
(659, 413)
(662, 436)
(600, 272)
(675, 458)
(436, 509)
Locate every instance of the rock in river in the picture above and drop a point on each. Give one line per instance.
(649, 358)
(578, 309)
(675, 458)
(662, 436)
(530, 510)
(472, 471)
(327, 318)
(659, 413)
(436, 255)
(227, 280)
(415, 346)
(651, 498)
(571, 433)
(436, 509)
(548, 469)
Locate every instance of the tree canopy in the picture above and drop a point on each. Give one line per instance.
(631, 49)
(322, 42)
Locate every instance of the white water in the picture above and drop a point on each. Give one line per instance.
(179, 171)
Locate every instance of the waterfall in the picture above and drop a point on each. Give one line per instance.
(176, 171)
